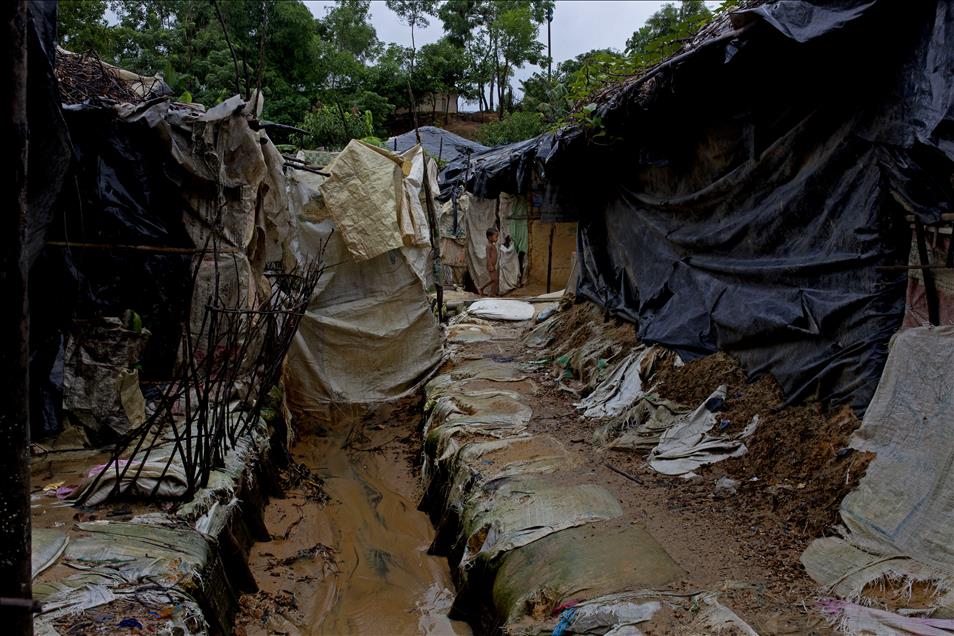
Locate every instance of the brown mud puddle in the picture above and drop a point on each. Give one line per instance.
(348, 553)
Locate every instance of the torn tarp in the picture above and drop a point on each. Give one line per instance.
(898, 519)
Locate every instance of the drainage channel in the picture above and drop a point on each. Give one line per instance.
(348, 553)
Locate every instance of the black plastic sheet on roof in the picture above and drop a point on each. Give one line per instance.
(760, 184)
(437, 142)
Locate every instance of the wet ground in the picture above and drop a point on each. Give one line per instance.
(349, 548)
(348, 553)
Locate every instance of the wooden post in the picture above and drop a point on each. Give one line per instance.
(927, 276)
(15, 570)
(550, 256)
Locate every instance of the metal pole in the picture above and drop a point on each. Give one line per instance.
(15, 571)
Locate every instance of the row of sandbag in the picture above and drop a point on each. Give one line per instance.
(534, 545)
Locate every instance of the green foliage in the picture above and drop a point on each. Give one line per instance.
(498, 37)
(574, 80)
(441, 68)
(374, 141)
(665, 30)
(325, 73)
(332, 128)
(513, 127)
(568, 97)
(413, 12)
(82, 26)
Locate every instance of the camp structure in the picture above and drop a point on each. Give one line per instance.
(439, 144)
(537, 242)
(185, 272)
(781, 189)
(369, 333)
(768, 224)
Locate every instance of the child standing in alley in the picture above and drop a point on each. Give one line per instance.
(494, 283)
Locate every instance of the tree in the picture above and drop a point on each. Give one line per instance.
(467, 24)
(499, 35)
(574, 79)
(517, 43)
(82, 26)
(670, 23)
(414, 14)
(387, 78)
(443, 69)
(275, 43)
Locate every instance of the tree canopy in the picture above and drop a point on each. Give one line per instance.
(332, 76)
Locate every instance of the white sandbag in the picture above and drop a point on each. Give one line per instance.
(497, 309)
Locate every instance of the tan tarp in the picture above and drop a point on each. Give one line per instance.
(368, 334)
(374, 197)
(364, 195)
(898, 522)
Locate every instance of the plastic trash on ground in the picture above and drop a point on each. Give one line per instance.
(688, 445)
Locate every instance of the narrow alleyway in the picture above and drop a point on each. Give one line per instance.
(363, 567)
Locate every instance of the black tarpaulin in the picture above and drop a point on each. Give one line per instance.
(437, 142)
(759, 182)
(121, 197)
(49, 156)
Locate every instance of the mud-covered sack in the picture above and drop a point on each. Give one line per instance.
(514, 512)
(100, 386)
(479, 465)
(478, 415)
(577, 564)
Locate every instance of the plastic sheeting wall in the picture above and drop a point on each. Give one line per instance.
(369, 333)
(758, 184)
(759, 226)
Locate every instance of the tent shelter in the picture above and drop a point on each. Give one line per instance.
(369, 333)
(440, 144)
(754, 195)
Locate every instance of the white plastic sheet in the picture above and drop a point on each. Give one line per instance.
(619, 391)
(688, 444)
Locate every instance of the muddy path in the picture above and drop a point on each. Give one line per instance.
(737, 547)
(348, 553)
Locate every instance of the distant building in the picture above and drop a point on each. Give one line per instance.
(434, 103)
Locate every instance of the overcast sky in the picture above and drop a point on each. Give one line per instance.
(578, 26)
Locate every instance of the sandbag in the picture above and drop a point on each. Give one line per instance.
(497, 309)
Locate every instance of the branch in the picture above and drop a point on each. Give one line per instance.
(261, 52)
(218, 12)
